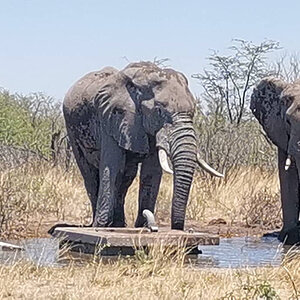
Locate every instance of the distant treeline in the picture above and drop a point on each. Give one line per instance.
(228, 135)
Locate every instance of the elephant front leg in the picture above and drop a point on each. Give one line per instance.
(150, 178)
(127, 179)
(289, 190)
(111, 170)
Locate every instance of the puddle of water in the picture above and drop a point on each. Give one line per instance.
(42, 251)
(243, 252)
(231, 253)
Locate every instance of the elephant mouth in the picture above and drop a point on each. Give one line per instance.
(165, 165)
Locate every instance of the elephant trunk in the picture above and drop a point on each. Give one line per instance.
(183, 155)
(293, 152)
(293, 147)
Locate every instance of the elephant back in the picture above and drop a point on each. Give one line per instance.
(85, 89)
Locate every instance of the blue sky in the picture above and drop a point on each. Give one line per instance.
(47, 45)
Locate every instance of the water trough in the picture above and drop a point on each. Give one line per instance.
(124, 241)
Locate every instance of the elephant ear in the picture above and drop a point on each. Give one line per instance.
(120, 114)
(269, 110)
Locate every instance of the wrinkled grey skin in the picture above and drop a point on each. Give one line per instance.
(117, 119)
(276, 105)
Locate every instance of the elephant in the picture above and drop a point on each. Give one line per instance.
(276, 105)
(117, 120)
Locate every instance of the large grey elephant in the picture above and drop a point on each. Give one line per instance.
(276, 105)
(118, 119)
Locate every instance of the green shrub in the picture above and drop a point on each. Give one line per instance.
(29, 121)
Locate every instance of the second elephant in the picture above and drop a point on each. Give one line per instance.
(276, 105)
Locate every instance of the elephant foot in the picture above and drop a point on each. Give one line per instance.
(140, 222)
(177, 225)
(51, 230)
(116, 223)
(274, 234)
(102, 221)
(290, 236)
(119, 224)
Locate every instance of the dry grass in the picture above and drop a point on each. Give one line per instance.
(148, 277)
(34, 197)
(231, 199)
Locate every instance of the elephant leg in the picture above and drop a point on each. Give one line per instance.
(289, 190)
(89, 173)
(150, 178)
(130, 172)
(111, 171)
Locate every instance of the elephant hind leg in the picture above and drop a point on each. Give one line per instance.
(111, 171)
(89, 173)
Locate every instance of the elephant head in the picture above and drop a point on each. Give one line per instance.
(276, 105)
(269, 109)
(144, 101)
(168, 115)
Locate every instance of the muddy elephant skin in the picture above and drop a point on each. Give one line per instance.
(118, 119)
(276, 105)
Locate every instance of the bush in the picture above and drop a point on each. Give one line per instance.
(226, 146)
(30, 122)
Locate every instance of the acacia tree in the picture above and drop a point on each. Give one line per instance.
(227, 135)
(228, 81)
(288, 67)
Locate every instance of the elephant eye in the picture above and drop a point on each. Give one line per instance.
(117, 111)
(130, 86)
(160, 105)
(157, 84)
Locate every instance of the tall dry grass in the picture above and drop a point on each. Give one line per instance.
(35, 196)
(140, 277)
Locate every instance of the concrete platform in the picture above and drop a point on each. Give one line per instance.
(124, 241)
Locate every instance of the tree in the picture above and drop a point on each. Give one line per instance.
(227, 135)
(288, 67)
(228, 81)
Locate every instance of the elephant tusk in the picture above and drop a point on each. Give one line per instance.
(163, 160)
(288, 163)
(208, 168)
(151, 224)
